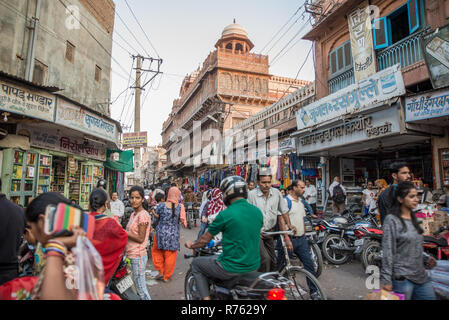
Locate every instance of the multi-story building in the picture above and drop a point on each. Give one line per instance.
(55, 66)
(232, 85)
(378, 67)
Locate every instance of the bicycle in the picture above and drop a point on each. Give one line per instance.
(301, 278)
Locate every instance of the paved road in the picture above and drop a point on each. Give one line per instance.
(345, 282)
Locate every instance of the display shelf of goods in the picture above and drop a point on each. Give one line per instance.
(15, 199)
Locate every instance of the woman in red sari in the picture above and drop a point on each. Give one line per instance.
(109, 237)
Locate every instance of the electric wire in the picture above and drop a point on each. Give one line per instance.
(289, 42)
(146, 35)
(261, 51)
(132, 34)
(90, 33)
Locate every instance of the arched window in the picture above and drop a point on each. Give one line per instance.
(226, 81)
(229, 46)
(258, 85)
(239, 47)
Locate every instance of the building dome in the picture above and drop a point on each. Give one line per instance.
(234, 28)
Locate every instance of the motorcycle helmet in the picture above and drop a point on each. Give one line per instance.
(233, 187)
(101, 183)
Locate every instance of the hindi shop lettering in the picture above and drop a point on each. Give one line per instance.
(24, 102)
(350, 99)
(98, 123)
(428, 106)
(361, 124)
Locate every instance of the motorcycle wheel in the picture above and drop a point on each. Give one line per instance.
(190, 290)
(300, 278)
(332, 256)
(317, 258)
(371, 250)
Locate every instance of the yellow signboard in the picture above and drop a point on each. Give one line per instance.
(135, 140)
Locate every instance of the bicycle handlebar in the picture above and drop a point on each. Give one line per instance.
(275, 233)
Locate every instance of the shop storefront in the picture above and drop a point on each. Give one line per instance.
(359, 133)
(61, 148)
(59, 160)
(431, 109)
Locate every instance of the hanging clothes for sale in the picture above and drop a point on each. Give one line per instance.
(278, 168)
(274, 169)
(287, 181)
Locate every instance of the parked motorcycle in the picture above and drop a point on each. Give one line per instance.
(437, 245)
(372, 250)
(122, 282)
(341, 244)
(248, 286)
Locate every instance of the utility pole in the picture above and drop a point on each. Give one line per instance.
(139, 87)
(137, 114)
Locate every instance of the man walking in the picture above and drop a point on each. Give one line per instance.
(338, 196)
(300, 244)
(12, 226)
(310, 195)
(274, 209)
(251, 186)
(117, 207)
(386, 199)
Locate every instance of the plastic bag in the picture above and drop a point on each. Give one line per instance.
(441, 290)
(384, 295)
(439, 276)
(90, 272)
(442, 265)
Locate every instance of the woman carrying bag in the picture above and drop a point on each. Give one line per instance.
(403, 260)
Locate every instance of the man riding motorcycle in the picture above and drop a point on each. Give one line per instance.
(240, 225)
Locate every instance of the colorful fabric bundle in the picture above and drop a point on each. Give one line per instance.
(64, 216)
(216, 202)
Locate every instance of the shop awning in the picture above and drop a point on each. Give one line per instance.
(121, 161)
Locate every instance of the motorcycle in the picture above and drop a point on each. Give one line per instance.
(122, 282)
(248, 286)
(372, 251)
(340, 243)
(437, 246)
(191, 215)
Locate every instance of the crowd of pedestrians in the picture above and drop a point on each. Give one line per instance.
(237, 213)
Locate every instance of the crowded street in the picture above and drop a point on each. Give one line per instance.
(346, 282)
(248, 152)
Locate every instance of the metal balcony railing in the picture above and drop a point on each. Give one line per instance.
(406, 52)
(341, 81)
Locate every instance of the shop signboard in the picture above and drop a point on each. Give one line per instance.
(135, 140)
(436, 55)
(58, 140)
(367, 127)
(425, 106)
(363, 95)
(362, 42)
(28, 102)
(287, 145)
(73, 116)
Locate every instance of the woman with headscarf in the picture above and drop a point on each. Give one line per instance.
(216, 205)
(166, 241)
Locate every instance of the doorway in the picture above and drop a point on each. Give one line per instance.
(59, 174)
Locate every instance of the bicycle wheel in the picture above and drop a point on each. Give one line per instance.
(317, 258)
(300, 289)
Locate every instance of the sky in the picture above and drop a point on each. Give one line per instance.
(183, 33)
